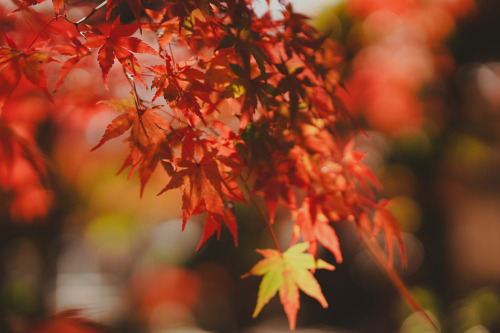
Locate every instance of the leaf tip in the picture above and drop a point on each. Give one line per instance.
(321, 264)
(97, 146)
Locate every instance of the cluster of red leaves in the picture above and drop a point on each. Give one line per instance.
(274, 81)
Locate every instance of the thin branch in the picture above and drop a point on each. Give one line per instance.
(379, 256)
(80, 21)
(172, 55)
(264, 217)
(102, 4)
(138, 104)
(41, 31)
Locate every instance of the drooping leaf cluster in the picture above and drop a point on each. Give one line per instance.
(252, 110)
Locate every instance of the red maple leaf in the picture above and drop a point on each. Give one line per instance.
(146, 160)
(315, 227)
(182, 87)
(77, 50)
(205, 190)
(147, 126)
(58, 5)
(118, 44)
(201, 186)
(14, 62)
(147, 137)
(385, 221)
(69, 321)
(213, 224)
(165, 29)
(352, 161)
(26, 3)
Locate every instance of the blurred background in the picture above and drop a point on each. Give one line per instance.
(422, 78)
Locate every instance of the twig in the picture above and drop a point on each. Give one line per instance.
(138, 104)
(80, 21)
(41, 31)
(264, 217)
(378, 255)
(173, 59)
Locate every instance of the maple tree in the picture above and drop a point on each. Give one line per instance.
(254, 110)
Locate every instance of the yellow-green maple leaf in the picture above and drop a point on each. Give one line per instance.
(288, 272)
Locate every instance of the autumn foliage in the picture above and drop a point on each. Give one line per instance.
(250, 113)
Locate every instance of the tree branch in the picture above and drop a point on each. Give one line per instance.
(80, 21)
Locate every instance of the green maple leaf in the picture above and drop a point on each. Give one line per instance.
(288, 272)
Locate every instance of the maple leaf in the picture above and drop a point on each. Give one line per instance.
(315, 228)
(146, 160)
(385, 221)
(147, 137)
(213, 224)
(68, 321)
(352, 160)
(147, 126)
(205, 186)
(26, 3)
(165, 29)
(14, 62)
(299, 37)
(13, 146)
(288, 272)
(77, 51)
(58, 5)
(182, 88)
(135, 7)
(118, 44)
(204, 189)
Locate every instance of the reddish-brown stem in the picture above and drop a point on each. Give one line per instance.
(380, 258)
(269, 226)
(137, 100)
(181, 121)
(172, 55)
(264, 217)
(41, 31)
(138, 104)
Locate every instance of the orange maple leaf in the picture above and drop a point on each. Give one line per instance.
(147, 137)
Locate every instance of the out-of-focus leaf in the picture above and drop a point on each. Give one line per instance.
(69, 321)
(14, 62)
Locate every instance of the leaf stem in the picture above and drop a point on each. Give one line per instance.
(41, 31)
(378, 255)
(264, 216)
(269, 226)
(138, 104)
(173, 59)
